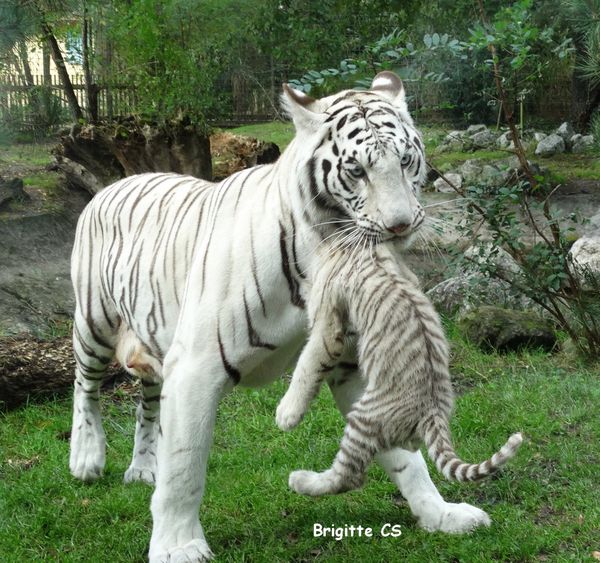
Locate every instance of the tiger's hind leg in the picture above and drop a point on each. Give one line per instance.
(93, 352)
(143, 464)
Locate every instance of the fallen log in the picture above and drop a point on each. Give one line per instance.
(31, 368)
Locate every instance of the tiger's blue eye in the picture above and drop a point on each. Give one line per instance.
(406, 158)
(356, 170)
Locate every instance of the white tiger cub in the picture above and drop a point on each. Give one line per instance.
(403, 356)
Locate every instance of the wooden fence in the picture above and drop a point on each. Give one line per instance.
(113, 101)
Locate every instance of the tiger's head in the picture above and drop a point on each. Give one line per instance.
(365, 161)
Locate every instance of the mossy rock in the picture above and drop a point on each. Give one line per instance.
(507, 330)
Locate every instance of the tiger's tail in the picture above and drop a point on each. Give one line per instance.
(436, 435)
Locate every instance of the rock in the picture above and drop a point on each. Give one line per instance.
(455, 135)
(537, 137)
(526, 146)
(491, 257)
(472, 129)
(581, 143)
(504, 141)
(550, 145)
(491, 175)
(462, 293)
(12, 190)
(483, 139)
(565, 131)
(506, 330)
(471, 170)
(474, 284)
(441, 185)
(585, 257)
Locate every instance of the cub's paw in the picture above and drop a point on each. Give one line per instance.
(289, 413)
(195, 551)
(315, 484)
(454, 518)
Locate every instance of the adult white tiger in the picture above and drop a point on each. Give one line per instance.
(212, 280)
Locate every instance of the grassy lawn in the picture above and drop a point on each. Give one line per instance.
(543, 506)
(33, 154)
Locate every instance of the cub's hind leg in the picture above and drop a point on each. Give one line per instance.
(93, 350)
(408, 471)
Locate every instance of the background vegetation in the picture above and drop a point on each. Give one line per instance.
(222, 60)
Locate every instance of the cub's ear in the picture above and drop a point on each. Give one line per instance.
(389, 86)
(304, 110)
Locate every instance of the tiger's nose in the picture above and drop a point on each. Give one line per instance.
(399, 228)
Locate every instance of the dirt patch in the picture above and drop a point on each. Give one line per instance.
(34, 368)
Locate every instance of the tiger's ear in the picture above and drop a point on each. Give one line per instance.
(389, 86)
(304, 110)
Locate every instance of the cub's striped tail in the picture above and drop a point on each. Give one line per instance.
(436, 435)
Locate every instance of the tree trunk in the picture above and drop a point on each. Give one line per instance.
(32, 93)
(95, 156)
(46, 65)
(37, 368)
(61, 69)
(91, 89)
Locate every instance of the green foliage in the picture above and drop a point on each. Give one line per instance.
(584, 16)
(595, 130)
(523, 52)
(519, 220)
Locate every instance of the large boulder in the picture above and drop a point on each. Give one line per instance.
(507, 330)
(478, 128)
(474, 284)
(550, 145)
(483, 139)
(441, 185)
(565, 131)
(581, 143)
(454, 141)
(505, 140)
(585, 257)
(471, 171)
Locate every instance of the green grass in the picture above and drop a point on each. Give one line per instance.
(43, 180)
(33, 154)
(278, 132)
(567, 166)
(543, 505)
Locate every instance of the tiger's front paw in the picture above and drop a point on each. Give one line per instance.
(289, 413)
(195, 551)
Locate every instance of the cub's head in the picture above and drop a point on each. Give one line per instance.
(364, 159)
